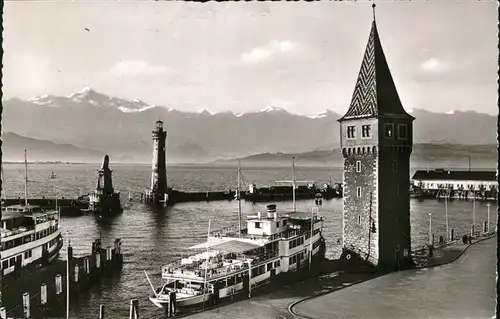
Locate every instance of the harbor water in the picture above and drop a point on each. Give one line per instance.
(153, 236)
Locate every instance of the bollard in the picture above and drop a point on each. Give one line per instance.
(109, 254)
(86, 265)
(3, 313)
(101, 312)
(58, 284)
(134, 309)
(43, 294)
(98, 260)
(76, 273)
(26, 305)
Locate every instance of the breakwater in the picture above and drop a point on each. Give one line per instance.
(42, 292)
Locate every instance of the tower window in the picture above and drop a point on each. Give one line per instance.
(358, 166)
(351, 132)
(366, 131)
(359, 219)
(402, 132)
(394, 166)
(358, 191)
(388, 130)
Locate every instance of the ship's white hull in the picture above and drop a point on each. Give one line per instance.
(162, 301)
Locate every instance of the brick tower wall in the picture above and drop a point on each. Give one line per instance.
(356, 209)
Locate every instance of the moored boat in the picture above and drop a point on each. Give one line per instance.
(237, 261)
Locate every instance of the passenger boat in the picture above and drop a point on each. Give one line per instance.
(234, 261)
(29, 235)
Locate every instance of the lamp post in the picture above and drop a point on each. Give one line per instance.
(474, 214)
(431, 242)
(488, 227)
(446, 217)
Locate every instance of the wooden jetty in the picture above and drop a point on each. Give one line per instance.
(42, 292)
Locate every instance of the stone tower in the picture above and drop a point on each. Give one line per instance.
(376, 140)
(159, 168)
(104, 179)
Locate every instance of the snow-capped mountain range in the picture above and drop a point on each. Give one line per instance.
(122, 128)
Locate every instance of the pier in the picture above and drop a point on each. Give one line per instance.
(43, 292)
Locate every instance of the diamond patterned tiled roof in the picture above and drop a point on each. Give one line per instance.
(375, 93)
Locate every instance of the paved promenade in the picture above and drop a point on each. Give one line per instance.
(363, 296)
(462, 289)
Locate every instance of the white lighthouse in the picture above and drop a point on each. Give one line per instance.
(158, 191)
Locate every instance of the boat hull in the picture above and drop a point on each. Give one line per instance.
(193, 301)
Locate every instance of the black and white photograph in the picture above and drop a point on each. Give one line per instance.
(250, 159)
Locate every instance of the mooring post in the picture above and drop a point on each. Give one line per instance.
(134, 309)
(3, 313)
(43, 294)
(26, 305)
(98, 260)
(109, 254)
(86, 265)
(101, 312)
(58, 284)
(76, 272)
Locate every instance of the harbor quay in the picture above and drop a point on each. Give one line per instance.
(315, 297)
(43, 292)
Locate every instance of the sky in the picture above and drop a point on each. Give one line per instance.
(300, 56)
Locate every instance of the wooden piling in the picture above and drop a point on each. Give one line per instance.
(101, 312)
(134, 309)
(43, 294)
(76, 273)
(26, 305)
(58, 284)
(86, 265)
(452, 235)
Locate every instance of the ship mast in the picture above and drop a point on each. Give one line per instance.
(205, 288)
(239, 198)
(25, 180)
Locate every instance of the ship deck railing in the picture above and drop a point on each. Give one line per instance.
(224, 267)
(233, 232)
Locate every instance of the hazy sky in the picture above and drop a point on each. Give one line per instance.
(303, 57)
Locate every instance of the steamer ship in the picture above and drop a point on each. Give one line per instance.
(29, 235)
(235, 261)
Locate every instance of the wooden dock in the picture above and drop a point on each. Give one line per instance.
(42, 292)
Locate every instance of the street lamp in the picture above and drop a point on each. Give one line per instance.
(431, 242)
(446, 216)
(488, 227)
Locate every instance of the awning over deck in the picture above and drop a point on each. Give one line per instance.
(235, 246)
(231, 246)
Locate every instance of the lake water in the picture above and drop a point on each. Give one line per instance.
(153, 236)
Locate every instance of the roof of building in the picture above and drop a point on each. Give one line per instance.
(441, 174)
(375, 93)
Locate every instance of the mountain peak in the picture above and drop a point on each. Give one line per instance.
(271, 108)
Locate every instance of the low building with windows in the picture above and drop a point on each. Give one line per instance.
(461, 184)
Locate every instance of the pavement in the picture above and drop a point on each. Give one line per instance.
(460, 288)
